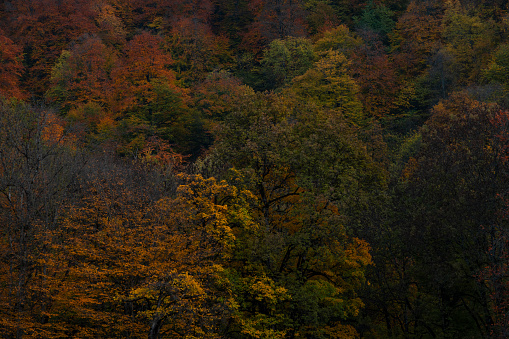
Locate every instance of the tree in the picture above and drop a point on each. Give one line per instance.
(378, 19)
(82, 75)
(297, 272)
(416, 37)
(347, 11)
(339, 39)
(196, 50)
(497, 71)
(151, 263)
(111, 29)
(273, 19)
(469, 40)
(321, 17)
(494, 274)
(231, 19)
(329, 83)
(285, 59)
(415, 54)
(376, 76)
(450, 194)
(136, 252)
(147, 97)
(44, 29)
(38, 165)
(10, 68)
(217, 94)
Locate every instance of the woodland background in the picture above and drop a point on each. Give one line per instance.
(254, 169)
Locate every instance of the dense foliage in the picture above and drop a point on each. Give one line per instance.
(254, 169)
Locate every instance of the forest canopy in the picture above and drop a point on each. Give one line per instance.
(254, 169)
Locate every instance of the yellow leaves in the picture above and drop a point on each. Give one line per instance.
(357, 253)
(112, 26)
(339, 39)
(106, 126)
(265, 290)
(261, 326)
(211, 206)
(329, 84)
(192, 286)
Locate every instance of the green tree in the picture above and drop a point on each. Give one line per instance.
(309, 191)
(377, 18)
(470, 41)
(339, 39)
(449, 194)
(285, 59)
(497, 72)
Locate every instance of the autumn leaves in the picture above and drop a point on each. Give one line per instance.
(108, 247)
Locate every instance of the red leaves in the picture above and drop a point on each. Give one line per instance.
(45, 28)
(10, 68)
(82, 74)
(274, 19)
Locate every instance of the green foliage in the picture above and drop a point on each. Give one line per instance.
(470, 40)
(497, 73)
(285, 59)
(311, 177)
(60, 76)
(450, 192)
(160, 110)
(498, 69)
(377, 18)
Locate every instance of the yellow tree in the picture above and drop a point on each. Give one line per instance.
(129, 260)
(329, 84)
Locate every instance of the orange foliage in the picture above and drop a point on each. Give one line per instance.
(53, 131)
(82, 74)
(10, 68)
(45, 28)
(122, 262)
(144, 61)
(377, 78)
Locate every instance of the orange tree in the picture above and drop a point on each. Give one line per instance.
(10, 67)
(130, 258)
(43, 29)
(38, 165)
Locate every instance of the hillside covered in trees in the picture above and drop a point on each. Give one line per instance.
(255, 169)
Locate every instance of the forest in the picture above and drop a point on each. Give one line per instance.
(258, 169)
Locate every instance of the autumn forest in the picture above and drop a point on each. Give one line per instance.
(259, 169)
